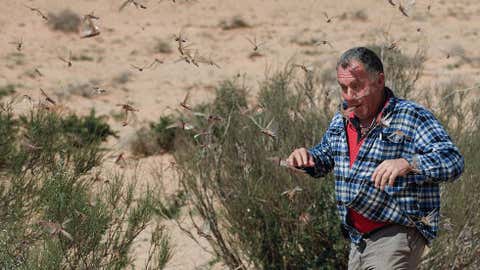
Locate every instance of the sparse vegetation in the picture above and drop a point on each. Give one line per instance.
(157, 139)
(55, 212)
(7, 90)
(457, 244)
(117, 115)
(250, 215)
(236, 22)
(401, 71)
(15, 59)
(122, 78)
(60, 208)
(247, 205)
(82, 57)
(76, 88)
(66, 21)
(163, 46)
(360, 15)
(302, 41)
(312, 52)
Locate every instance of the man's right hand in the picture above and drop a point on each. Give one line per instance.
(300, 158)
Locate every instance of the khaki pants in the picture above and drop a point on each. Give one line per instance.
(392, 247)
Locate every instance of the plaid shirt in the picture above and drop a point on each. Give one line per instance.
(406, 130)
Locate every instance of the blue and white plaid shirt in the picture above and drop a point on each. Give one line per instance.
(406, 130)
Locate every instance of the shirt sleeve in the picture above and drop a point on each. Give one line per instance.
(323, 157)
(435, 157)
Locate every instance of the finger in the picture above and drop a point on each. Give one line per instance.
(392, 178)
(311, 162)
(297, 161)
(292, 160)
(377, 171)
(304, 156)
(378, 177)
(385, 178)
(374, 174)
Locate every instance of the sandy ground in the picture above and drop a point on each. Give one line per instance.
(286, 29)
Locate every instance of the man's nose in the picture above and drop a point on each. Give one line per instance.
(349, 94)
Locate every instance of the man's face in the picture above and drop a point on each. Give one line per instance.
(362, 91)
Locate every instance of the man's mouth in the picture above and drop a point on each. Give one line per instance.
(352, 107)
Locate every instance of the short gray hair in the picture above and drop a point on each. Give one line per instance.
(367, 57)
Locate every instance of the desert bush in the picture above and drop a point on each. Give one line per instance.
(401, 71)
(254, 213)
(171, 206)
(359, 15)
(164, 135)
(162, 46)
(144, 143)
(83, 89)
(236, 22)
(56, 214)
(76, 139)
(7, 90)
(88, 129)
(8, 132)
(457, 246)
(66, 21)
(156, 139)
(15, 59)
(82, 57)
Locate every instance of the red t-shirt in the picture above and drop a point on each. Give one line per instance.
(361, 223)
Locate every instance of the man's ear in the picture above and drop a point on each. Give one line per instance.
(381, 79)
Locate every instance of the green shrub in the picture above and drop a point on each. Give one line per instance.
(171, 206)
(401, 71)
(156, 139)
(75, 139)
(54, 214)
(7, 90)
(241, 198)
(163, 134)
(457, 246)
(240, 195)
(8, 133)
(88, 129)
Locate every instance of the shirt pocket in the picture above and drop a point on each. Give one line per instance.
(392, 143)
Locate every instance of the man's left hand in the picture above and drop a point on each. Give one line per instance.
(389, 170)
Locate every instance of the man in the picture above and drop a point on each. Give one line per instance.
(388, 156)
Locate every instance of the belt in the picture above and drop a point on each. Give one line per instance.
(362, 244)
